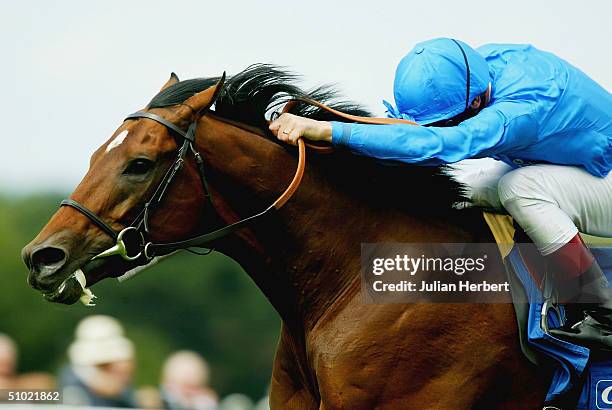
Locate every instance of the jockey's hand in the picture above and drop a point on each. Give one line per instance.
(290, 127)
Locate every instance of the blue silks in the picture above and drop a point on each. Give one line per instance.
(542, 110)
(573, 365)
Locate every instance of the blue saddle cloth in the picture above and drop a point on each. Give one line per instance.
(575, 368)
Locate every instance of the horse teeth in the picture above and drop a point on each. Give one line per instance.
(80, 277)
(87, 295)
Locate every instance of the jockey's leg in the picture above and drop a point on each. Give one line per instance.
(480, 178)
(552, 203)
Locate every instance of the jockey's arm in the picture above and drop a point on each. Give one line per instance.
(494, 130)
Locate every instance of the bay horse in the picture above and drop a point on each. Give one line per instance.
(334, 351)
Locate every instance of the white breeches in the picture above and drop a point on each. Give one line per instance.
(550, 202)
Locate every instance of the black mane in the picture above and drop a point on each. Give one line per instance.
(261, 88)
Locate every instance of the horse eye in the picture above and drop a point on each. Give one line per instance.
(139, 166)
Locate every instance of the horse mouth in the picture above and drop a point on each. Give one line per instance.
(71, 290)
(76, 286)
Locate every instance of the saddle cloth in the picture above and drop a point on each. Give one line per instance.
(578, 375)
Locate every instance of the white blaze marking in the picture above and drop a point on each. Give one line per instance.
(118, 140)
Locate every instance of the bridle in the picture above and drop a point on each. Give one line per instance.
(132, 244)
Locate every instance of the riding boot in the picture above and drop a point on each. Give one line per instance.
(583, 288)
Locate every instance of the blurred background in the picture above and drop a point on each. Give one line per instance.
(201, 303)
(71, 70)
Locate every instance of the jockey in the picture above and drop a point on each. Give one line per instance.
(530, 109)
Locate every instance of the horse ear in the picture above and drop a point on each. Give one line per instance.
(204, 99)
(171, 81)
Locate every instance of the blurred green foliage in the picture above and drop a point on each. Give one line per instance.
(203, 303)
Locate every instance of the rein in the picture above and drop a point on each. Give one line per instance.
(131, 243)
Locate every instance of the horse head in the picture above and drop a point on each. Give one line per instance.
(125, 177)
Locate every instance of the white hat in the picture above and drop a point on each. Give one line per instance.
(99, 339)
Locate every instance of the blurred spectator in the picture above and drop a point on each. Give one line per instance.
(8, 362)
(10, 379)
(236, 401)
(264, 402)
(149, 397)
(101, 365)
(184, 383)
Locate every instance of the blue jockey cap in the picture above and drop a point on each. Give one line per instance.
(431, 81)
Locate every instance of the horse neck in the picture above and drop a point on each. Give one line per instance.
(311, 247)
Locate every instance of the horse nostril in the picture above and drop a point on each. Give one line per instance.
(48, 259)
